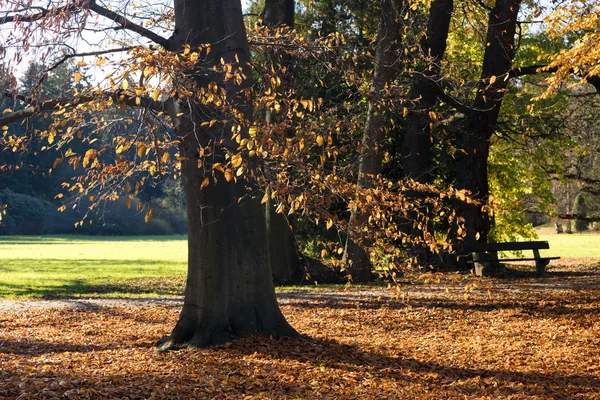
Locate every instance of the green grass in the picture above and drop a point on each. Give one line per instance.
(572, 246)
(84, 266)
(71, 266)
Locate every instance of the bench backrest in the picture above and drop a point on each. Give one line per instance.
(508, 246)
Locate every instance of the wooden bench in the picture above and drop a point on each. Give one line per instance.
(484, 254)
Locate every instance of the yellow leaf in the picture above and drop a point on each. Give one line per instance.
(265, 198)
(205, 183)
(141, 150)
(329, 223)
(236, 160)
(149, 214)
(320, 140)
(240, 171)
(156, 95)
(405, 112)
(492, 79)
(228, 174)
(125, 84)
(81, 63)
(77, 76)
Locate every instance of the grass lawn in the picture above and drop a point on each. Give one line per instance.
(575, 245)
(76, 266)
(61, 266)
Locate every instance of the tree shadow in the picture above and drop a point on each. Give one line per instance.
(351, 359)
(34, 347)
(530, 307)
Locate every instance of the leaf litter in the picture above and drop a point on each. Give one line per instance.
(448, 336)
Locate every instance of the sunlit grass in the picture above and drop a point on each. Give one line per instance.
(572, 245)
(63, 266)
(82, 266)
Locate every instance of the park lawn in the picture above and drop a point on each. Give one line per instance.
(72, 266)
(575, 245)
(93, 266)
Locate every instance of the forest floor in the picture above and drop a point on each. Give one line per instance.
(436, 336)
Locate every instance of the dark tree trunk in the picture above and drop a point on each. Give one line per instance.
(279, 12)
(284, 254)
(229, 291)
(417, 151)
(355, 258)
(473, 141)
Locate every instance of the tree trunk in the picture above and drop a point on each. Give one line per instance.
(284, 254)
(355, 258)
(229, 291)
(279, 12)
(474, 135)
(417, 151)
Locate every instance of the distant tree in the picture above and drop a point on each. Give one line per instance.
(580, 209)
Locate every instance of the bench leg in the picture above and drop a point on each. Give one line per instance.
(540, 266)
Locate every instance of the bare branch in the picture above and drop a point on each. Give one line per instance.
(90, 53)
(123, 22)
(127, 24)
(35, 108)
(37, 16)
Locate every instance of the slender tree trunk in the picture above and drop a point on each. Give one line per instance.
(355, 258)
(229, 291)
(417, 152)
(284, 254)
(474, 136)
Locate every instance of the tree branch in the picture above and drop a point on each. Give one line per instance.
(578, 217)
(593, 80)
(34, 108)
(127, 24)
(36, 17)
(91, 5)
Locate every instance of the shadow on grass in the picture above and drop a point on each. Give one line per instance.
(66, 239)
(79, 287)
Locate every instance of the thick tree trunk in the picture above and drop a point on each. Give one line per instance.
(284, 254)
(229, 291)
(355, 258)
(417, 151)
(474, 136)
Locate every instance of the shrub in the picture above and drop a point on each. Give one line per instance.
(27, 214)
(158, 226)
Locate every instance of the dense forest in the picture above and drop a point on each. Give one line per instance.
(370, 135)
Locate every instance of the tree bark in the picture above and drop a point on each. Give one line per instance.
(356, 258)
(417, 151)
(473, 141)
(279, 12)
(229, 291)
(284, 254)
